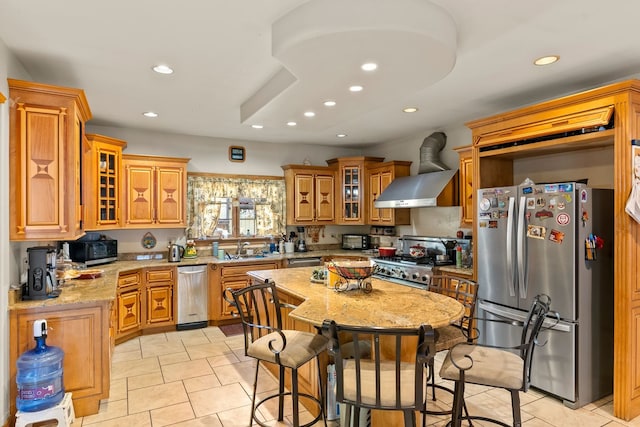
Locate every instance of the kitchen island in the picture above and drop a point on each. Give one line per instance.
(388, 305)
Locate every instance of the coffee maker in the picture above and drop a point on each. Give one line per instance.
(41, 279)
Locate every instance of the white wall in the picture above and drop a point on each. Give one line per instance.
(211, 154)
(435, 221)
(9, 67)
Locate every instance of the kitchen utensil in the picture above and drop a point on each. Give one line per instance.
(175, 253)
(386, 251)
(417, 251)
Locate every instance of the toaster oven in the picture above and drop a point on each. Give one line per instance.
(90, 250)
(356, 241)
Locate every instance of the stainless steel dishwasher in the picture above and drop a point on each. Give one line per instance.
(193, 297)
(304, 262)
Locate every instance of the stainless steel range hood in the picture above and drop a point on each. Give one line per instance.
(415, 191)
(420, 190)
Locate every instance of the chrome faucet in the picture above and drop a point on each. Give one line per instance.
(241, 246)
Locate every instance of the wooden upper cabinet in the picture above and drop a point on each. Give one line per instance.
(310, 194)
(352, 188)
(551, 122)
(46, 134)
(466, 185)
(154, 190)
(379, 178)
(102, 161)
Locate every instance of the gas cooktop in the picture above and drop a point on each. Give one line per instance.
(412, 271)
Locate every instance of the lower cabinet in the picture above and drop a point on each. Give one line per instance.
(145, 299)
(160, 296)
(230, 276)
(82, 332)
(128, 299)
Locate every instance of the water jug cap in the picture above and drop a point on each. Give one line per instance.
(39, 328)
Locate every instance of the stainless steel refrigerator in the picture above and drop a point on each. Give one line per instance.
(536, 239)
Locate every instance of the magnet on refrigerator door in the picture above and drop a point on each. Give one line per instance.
(556, 236)
(536, 231)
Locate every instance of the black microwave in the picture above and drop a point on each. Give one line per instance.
(356, 241)
(92, 252)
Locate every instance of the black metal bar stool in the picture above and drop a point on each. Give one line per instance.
(264, 339)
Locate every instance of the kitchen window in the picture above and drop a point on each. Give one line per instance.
(222, 206)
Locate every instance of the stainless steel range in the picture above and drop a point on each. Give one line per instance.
(417, 271)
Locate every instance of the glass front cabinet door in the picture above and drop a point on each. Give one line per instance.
(352, 188)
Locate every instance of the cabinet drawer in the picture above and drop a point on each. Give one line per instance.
(234, 270)
(165, 275)
(129, 279)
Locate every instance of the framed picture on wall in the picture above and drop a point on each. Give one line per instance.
(236, 153)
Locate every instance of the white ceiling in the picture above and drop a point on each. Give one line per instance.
(221, 51)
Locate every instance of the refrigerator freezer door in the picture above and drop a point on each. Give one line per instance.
(497, 213)
(554, 362)
(550, 246)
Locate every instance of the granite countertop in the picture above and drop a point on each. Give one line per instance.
(388, 305)
(103, 289)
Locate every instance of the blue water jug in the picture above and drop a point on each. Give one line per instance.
(39, 377)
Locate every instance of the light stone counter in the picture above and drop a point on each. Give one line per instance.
(104, 288)
(388, 305)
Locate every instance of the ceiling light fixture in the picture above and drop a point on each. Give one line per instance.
(410, 109)
(356, 88)
(369, 66)
(329, 103)
(309, 114)
(150, 114)
(257, 126)
(163, 69)
(546, 60)
(341, 135)
(291, 123)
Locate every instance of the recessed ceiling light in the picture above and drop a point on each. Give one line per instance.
(150, 114)
(341, 135)
(257, 126)
(546, 60)
(410, 109)
(163, 69)
(355, 88)
(369, 66)
(329, 103)
(291, 123)
(309, 114)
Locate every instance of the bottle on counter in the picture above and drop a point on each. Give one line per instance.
(458, 256)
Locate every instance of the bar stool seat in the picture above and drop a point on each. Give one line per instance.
(63, 412)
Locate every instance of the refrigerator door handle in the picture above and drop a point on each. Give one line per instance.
(510, 224)
(522, 274)
(510, 314)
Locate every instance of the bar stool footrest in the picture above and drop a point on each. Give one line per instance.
(288, 393)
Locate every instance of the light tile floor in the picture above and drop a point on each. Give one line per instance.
(202, 378)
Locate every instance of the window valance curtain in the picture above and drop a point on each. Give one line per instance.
(204, 189)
